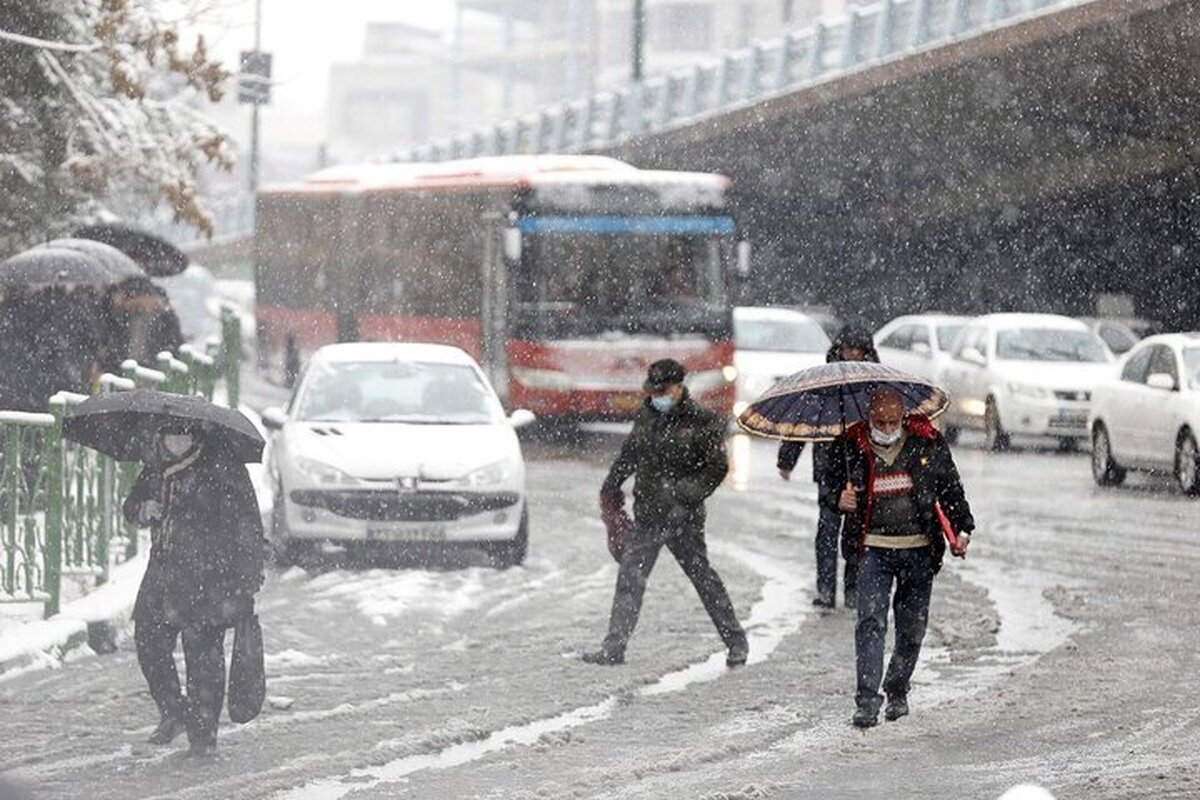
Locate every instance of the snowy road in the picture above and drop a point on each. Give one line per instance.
(1063, 652)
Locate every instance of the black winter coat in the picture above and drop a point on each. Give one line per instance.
(678, 460)
(926, 458)
(207, 551)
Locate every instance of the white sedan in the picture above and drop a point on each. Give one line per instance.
(394, 444)
(919, 344)
(1030, 374)
(1149, 417)
(770, 344)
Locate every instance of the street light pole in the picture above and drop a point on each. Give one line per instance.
(639, 38)
(254, 106)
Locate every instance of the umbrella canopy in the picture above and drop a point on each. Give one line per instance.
(119, 265)
(158, 257)
(118, 424)
(818, 403)
(52, 266)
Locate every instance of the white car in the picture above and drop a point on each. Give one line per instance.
(919, 344)
(387, 443)
(1148, 417)
(769, 344)
(1029, 374)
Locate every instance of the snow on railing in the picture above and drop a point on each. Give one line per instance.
(889, 30)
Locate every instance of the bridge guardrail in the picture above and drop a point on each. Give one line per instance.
(866, 35)
(60, 503)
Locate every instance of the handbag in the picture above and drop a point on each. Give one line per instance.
(247, 672)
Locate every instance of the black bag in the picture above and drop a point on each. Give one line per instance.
(247, 673)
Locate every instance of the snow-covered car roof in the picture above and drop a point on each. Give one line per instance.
(349, 352)
(769, 313)
(1185, 339)
(1015, 320)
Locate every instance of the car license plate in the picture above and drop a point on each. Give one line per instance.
(626, 402)
(408, 533)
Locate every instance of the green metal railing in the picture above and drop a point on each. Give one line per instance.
(60, 504)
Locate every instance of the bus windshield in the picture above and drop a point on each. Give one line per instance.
(597, 282)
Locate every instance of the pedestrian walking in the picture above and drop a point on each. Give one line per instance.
(206, 564)
(676, 455)
(850, 344)
(889, 475)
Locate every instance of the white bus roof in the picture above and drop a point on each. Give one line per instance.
(522, 171)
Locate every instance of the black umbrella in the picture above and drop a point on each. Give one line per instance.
(819, 403)
(119, 265)
(41, 266)
(117, 424)
(158, 257)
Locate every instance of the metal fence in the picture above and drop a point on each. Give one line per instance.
(60, 503)
(888, 30)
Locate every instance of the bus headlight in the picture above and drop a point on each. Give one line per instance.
(550, 379)
(730, 372)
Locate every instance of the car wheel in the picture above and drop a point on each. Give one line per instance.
(512, 553)
(995, 437)
(1187, 463)
(1104, 469)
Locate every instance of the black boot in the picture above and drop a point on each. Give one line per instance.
(738, 651)
(604, 657)
(169, 727)
(897, 707)
(865, 717)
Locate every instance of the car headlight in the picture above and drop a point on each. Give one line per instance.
(1028, 390)
(542, 378)
(324, 474)
(486, 476)
(706, 380)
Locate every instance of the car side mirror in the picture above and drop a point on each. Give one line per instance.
(1161, 380)
(922, 349)
(521, 417)
(973, 356)
(273, 418)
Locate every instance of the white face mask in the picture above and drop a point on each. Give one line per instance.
(885, 439)
(176, 444)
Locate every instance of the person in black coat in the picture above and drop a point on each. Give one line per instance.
(205, 566)
(139, 323)
(851, 344)
(888, 475)
(676, 454)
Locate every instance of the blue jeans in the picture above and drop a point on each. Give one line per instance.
(911, 571)
(829, 531)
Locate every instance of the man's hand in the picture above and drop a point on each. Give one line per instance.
(848, 499)
(786, 474)
(149, 512)
(963, 542)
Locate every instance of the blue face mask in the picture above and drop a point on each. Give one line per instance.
(662, 402)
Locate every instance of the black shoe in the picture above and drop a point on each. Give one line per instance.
(897, 707)
(168, 728)
(604, 657)
(865, 718)
(737, 654)
(821, 602)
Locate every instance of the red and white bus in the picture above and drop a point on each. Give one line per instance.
(564, 276)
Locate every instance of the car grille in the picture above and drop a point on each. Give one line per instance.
(1069, 395)
(400, 506)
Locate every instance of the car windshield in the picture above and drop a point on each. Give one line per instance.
(1049, 344)
(1191, 366)
(947, 332)
(396, 391)
(777, 335)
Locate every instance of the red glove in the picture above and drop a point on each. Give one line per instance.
(617, 521)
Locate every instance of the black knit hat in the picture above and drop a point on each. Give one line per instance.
(663, 373)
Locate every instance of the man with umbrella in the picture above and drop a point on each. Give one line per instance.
(895, 479)
(676, 454)
(207, 544)
(850, 344)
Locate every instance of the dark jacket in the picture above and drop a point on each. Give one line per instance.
(925, 456)
(789, 452)
(678, 459)
(206, 554)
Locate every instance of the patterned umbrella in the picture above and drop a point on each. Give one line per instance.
(818, 403)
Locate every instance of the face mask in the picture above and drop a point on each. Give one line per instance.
(176, 444)
(662, 402)
(885, 439)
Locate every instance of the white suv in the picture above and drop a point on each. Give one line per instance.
(1029, 374)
